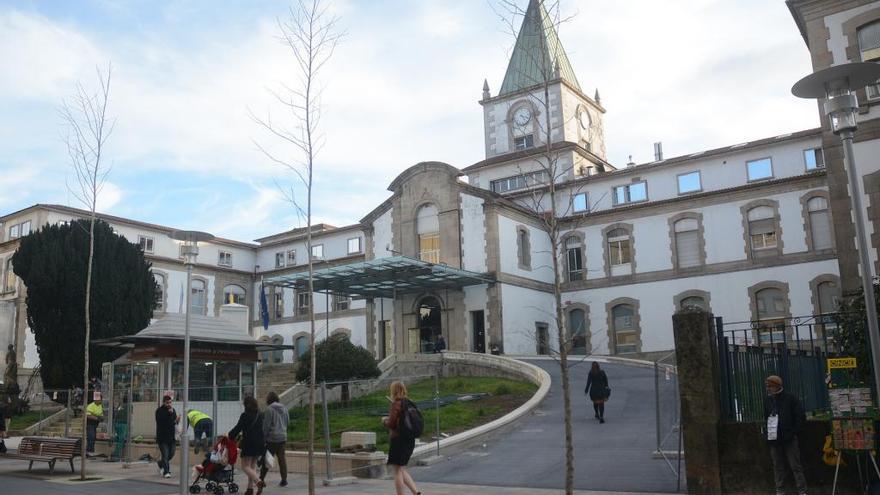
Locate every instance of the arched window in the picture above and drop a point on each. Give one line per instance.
(9, 277)
(770, 304)
(198, 300)
(828, 297)
(234, 294)
(869, 49)
(278, 354)
(428, 230)
(574, 259)
(820, 223)
(302, 346)
(160, 291)
(687, 243)
(694, 302)
(624, 328)
(762, 229)
(577, 331)
(523, 248)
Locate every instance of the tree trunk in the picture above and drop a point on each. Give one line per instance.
(82, 467)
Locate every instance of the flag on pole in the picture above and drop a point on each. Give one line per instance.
(264, 307)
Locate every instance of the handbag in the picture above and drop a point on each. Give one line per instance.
(607, 393)
(269, 460)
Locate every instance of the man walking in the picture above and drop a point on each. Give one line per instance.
(784, 417)
(275, 421)
(166, 420)
(94, 415)
(120, 423)
(203, 429)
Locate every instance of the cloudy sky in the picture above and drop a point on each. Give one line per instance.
(401, 88)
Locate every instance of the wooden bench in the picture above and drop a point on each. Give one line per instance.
(46, 449)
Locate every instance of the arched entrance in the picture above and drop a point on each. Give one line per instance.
(422, 339)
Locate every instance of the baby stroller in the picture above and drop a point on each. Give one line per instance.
(217, 469)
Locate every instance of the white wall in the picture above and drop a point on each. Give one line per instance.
(542, 262)
(476, 298)
(473, 233)
(520, 309)
(383, 236)
(357, 325)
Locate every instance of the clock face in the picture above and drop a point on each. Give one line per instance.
(522, 116)
(584, 118)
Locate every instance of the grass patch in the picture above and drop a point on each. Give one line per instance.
(361, 413)
(27, 419)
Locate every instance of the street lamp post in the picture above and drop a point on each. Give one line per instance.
(836, 85)
(190, 251)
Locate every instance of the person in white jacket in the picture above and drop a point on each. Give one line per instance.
(275, 420)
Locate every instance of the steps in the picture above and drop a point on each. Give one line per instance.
(56, 428)
(275, 377)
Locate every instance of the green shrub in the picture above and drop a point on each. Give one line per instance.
(502, 389)
(338, 360)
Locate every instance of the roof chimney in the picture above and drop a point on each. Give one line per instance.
(630, 163)
(658, 151)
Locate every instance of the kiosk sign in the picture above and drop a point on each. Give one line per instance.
(841, 363)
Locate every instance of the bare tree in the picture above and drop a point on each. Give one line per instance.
(85, 117)
(310, 32)
(545, 172)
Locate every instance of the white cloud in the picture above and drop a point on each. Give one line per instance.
(109, 196)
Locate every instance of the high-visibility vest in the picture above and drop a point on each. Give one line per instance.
(94, 409)
(195, 416)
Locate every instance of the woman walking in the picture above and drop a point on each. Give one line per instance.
(597, 387)
(253, 445)
(402, 444)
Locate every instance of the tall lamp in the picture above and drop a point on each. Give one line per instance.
(190, 251)
(836, 85)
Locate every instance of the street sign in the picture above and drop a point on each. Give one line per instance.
(841, 363)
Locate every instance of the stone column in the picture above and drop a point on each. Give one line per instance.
(700, 399)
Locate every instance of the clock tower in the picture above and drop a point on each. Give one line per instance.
(516, 121)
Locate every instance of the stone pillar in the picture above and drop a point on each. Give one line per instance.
(700, 399)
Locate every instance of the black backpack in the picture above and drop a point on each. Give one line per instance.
(412, 425)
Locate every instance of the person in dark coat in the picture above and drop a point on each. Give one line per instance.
(166, 421)
(597, 387)
(253, 445)
(402, 445)
(784, 418)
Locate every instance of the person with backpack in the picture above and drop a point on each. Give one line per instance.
(597, 387)
(253, 445)
(405, 424)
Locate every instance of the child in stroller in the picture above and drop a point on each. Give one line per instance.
(217, 469)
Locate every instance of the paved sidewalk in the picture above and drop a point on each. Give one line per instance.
(142, 479)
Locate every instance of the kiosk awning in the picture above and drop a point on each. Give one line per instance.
(382, 277)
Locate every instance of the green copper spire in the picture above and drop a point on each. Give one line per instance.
(537, 54)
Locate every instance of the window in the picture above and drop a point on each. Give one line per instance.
(224, 258)
(524, 142)
(302, 346)
(820, 223)
(291, 257)
(694, 302)
(180, 248)
(577, 331)
(632, 193)
(828, 297)
(160, 292)
(687, 243)
(689, 182)
(814, 159)
(279, 260)
(762, 228)
(303, 302)
(9, 278)
(760, 169)
(198, 303)
(14, 231)
(341, 303)
(279, 304)
(770, 304)
(523, 248)
(146, 244)
(575, 259)
(354, 245)
(428, 230)
(25, 228)
(619, 247)
(869, 48)
(579, 203)
(520, 181)
(234, 294)
(318, 252)
(625, 334)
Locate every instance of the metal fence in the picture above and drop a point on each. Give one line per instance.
(668, 415)
(793, 348)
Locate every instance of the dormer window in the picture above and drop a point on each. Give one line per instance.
(524, 142)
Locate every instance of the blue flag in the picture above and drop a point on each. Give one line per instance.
(264, 307)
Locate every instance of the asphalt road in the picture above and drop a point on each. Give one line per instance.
(615, 456)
